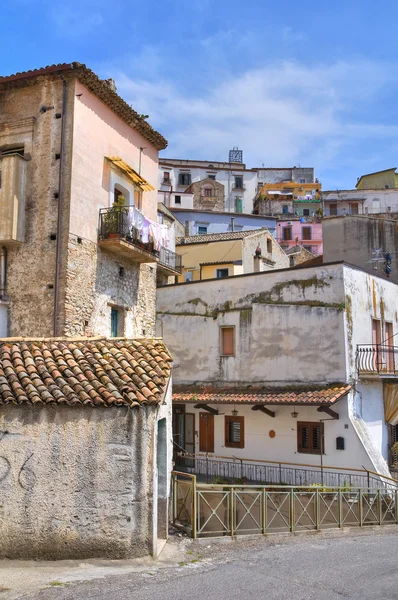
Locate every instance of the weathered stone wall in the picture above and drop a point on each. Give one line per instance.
(76, 482)
(214, 202)
(31, 265)
(94, 285)
(276, 259)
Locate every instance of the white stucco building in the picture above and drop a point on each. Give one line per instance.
(359, 202)
(177, 179)
(278, 366)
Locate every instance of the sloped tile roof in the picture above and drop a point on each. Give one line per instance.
(97, 86)
(314, 395)
(218, 237)
(94, 372)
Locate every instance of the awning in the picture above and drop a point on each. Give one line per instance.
(391, 403)
(131, 174)
(280, 192)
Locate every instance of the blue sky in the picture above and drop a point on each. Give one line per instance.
(309, 83)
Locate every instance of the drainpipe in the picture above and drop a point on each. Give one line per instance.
(3, 271)
(60, 200)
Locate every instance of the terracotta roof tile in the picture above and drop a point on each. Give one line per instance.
(95, 372)
(218, 237)
(316, 395)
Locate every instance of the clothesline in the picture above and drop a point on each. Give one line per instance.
(146, 227)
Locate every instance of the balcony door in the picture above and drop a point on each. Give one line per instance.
(206, 432)
(183, 435)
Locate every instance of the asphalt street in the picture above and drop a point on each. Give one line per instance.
(310, 567)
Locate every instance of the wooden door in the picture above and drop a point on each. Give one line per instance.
(206, 432)
(376, 341)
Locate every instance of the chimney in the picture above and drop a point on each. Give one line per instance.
(257, 260)
(292, 261)
(232, 223)
(110, 83)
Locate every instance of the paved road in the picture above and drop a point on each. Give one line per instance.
(312, 567)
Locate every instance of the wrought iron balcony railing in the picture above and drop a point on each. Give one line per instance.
(114, 225)
(170, 259)
(379, 359)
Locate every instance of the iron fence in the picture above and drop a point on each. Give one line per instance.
(114, 223)
(234, 470)
(230, 510)
(377, 359)
(170, 259)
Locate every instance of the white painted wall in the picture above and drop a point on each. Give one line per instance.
(3, 319)
(375, 201)
(283, 447)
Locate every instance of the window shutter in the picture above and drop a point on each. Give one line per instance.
(316, 438)
(227, 341)
(234, 432)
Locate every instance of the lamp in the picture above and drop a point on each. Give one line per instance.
(234, 411)
(294, 413)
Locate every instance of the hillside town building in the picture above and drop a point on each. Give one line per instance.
(295, 366)
(221, 255)
(80, 239)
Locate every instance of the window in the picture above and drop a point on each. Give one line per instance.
(188, 276)
(221, 273)
(212, 177)
(309, 437)
(302, 180)
(227, 341)
(238, 183)
(366, 210)
(287, 233)
(202, 230)
(166, 177)
(333, 209)
(184, 179)
(285, 209)
(269, 246)
(234, 432)
(306, 212)
(306, 233)
(208, 192)
(177, 199)
(376, 205)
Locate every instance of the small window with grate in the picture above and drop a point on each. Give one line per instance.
(234, 432)
(309, 437)
(340, 443)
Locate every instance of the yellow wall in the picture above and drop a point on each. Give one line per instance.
(298, 189)
(378, 180)
(194, 254)
(210, 271)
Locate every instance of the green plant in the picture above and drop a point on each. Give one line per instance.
(218, 480)
(111, 218)
(319, 212)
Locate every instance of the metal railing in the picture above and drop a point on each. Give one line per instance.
(223, 469)
(377, 358)
(228, 510)
(170, 259)
(113, 223)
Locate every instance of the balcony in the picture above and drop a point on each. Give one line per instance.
(169, 263)
(115, 235)
(377, 360)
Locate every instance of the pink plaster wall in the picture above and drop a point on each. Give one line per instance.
(316, 228)
(98, 132)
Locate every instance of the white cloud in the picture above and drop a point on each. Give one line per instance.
(284, 114)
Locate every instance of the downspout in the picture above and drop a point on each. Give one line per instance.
(3, 272)
(60, 199)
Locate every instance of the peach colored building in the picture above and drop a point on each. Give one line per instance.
(306, 232)
(80, 242)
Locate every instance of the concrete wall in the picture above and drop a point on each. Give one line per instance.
(352, 239)
(76, 482)
(275, 259)
(279, 325)
(283, 447)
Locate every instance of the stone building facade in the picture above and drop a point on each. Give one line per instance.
(207, 195)
(85, 457)
(65, 127)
